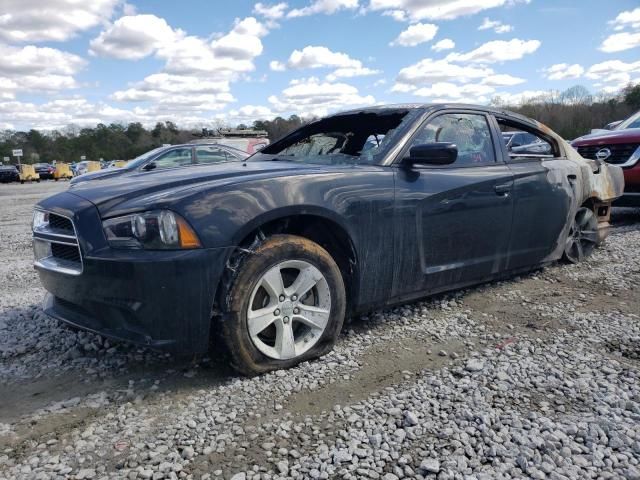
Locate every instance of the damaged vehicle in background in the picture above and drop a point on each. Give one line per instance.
(168, 157)
(350, 213)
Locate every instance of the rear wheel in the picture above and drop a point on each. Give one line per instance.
(286, 304)
(583, 236)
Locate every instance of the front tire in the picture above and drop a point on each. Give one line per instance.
(284, 305)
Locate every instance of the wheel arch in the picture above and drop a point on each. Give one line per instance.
(316, 224)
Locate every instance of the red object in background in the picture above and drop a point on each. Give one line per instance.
(617, 147)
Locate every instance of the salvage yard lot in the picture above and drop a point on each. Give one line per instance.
(535, 377)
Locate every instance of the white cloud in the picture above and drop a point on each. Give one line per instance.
(444, 44)
(277, 66)
(249, 113)
(327, 7)
(627, 18)
(310, 96)
(51, 20)
(194, 56)
(243, 42)
(417, 10)
(178, 92)
(134, 37)
(603, 69)
(495, 25)
(415, 35)
(36, 69)
(272, 12)
(497, 51)
(613, 75)
(422, 78)
(78, 111)
(450, 92)
(502, 80)
(321, 57)
(428, 71)
(620, 41)
(349, 72)
(561, 71)
(138, 36)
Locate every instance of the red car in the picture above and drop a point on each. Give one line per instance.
(618, 147)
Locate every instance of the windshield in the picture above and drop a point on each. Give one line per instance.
(632, 122)
(136, 162)
(360, 138)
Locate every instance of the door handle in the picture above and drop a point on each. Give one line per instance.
(502, 190)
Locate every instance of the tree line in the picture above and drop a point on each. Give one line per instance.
(570, 113)
(575, 111)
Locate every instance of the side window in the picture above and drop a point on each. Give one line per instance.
(532, 145)
(469, 132)
(211, 155)
(175, 158)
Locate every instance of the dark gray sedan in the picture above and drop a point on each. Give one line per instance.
(169, 157)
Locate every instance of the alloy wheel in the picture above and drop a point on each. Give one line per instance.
(583, 236)
(289, 309)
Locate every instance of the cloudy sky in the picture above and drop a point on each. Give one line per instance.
(199, 61)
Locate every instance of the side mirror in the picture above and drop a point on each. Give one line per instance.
(149, 166)
(438, 153)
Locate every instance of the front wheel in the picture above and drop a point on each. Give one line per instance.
(583, 236)
(285, 305)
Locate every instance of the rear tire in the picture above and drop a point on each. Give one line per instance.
(284, 305)
(582, 238)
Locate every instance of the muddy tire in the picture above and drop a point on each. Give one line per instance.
(582, 238)
(284, 304)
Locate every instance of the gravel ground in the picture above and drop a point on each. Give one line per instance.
(536, 377)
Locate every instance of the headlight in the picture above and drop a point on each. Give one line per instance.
(40, 220)
(156, 230)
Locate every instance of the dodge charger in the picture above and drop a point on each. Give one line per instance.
(355, 211)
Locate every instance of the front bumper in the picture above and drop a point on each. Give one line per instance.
(631, 196)
(159, 299)
(162, 300)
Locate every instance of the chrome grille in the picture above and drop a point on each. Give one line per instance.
(55, 244)
(620, 154)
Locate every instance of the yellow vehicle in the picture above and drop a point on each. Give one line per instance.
(87, 166)
(93, 166)
(28, 174)
(62, 171)
(119, 163)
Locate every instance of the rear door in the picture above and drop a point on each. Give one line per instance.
(541, 195)
(453, 222)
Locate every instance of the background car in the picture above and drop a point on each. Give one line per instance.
(620, 147)
(169, 157)
(517, 139)
(9, 173)
(45, 170)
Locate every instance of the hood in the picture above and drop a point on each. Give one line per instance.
(99, 175)
(114, 195)
(627, 135)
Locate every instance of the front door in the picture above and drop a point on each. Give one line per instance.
(453, 222)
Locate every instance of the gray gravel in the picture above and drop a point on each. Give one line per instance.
(536, 377)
